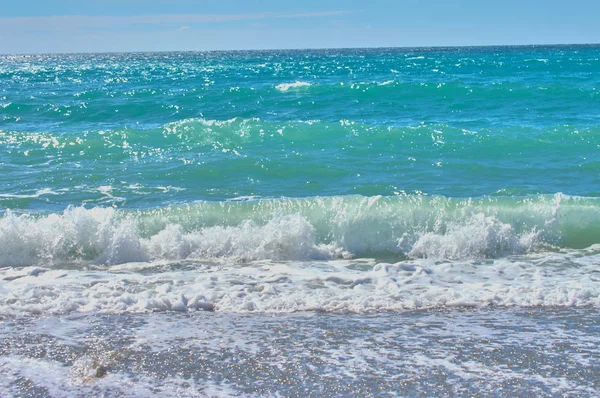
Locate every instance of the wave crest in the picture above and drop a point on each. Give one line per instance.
(303, 229)
(283, 87)
(479, 236)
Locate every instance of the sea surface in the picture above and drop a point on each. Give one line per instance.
(360, 222)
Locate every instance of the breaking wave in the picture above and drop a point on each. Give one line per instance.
(317, 228)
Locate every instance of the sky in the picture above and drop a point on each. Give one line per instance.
(48, 26)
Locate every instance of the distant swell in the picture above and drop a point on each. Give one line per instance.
(303, 229)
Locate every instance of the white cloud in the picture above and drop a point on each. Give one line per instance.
(70, 22)
(85, 33)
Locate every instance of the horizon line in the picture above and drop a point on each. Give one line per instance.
(305, 49)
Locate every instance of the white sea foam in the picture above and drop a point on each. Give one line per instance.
(282, 238)
(567, 279)
(80, 380)
(283, 87)
(479, 236)
(167, 354)
(101, 236)
(37, 194)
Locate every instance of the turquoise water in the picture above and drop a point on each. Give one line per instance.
(149, 130)
(364, 221)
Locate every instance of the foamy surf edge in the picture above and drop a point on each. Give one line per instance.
(283, 287)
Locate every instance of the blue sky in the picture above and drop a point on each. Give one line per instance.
(155, 25)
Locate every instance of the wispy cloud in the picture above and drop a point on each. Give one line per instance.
(68, 22)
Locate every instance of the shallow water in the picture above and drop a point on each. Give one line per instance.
(483, 352)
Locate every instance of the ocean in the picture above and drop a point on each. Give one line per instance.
(357, 222)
